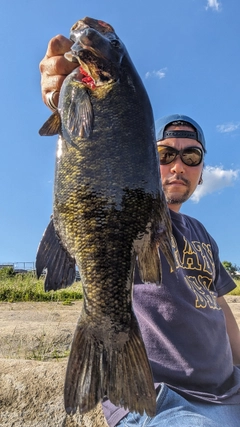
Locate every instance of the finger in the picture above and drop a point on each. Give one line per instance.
(58, 45)
(56, 65)
(52, 84)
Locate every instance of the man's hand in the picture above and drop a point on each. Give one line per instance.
(54, 67)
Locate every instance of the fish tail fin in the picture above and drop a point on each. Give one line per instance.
(118, 369)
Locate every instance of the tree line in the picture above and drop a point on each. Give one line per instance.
(232, 269)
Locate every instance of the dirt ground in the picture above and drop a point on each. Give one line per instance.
(40, 331)
(34, 344)
(43, 331)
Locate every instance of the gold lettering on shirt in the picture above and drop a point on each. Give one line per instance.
(197, 256)
(190, 258)
(206, 255)
(200, 286)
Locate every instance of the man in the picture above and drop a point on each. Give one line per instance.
(191, 336)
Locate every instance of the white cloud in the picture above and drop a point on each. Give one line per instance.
(213, 4)
(214, 179)
(160, 74)
(228, 127)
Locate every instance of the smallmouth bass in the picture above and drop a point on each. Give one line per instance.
(109, 210)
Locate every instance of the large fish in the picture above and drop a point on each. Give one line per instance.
(109, 209)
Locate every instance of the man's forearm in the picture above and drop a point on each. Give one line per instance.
(232, 330)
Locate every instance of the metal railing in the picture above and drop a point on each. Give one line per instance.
(20, 265)
(24, 266)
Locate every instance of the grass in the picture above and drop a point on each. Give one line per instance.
(42, 346)
(26, 287)
(48, 343)
(236, 291)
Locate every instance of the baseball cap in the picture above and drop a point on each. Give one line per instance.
(167, 120)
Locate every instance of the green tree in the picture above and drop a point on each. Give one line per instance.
(232, 269)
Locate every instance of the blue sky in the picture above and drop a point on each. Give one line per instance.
(187, 54)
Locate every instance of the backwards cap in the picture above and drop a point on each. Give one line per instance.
(161, 124)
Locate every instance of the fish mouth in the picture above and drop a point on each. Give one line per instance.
(94, 71)
(97, 49)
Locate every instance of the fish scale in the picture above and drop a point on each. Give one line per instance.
(109, 210)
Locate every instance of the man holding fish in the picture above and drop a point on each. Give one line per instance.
(191, 337)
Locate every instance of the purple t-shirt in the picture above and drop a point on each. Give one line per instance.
(182, 325)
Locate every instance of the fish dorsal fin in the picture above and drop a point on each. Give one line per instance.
(79, 120)
(52, 126)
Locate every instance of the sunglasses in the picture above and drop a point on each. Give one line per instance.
(190, 156)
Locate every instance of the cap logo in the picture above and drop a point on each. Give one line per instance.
(180, 134)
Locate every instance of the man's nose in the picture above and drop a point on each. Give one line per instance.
(177, 166)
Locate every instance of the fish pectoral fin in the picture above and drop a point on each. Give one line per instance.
(118, 368)
(149, 265)
(79, 120)
(51, 255)
(52, 126)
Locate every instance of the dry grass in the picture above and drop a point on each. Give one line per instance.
(236, 291)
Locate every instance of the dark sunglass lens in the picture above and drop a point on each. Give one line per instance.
(192, 156)
(166, 155)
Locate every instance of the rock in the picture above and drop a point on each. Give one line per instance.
(31, 395)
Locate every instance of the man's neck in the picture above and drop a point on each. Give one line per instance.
(175, 208)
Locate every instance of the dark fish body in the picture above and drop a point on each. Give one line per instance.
(108, 209)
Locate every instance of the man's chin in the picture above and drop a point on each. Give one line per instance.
(177, 200)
